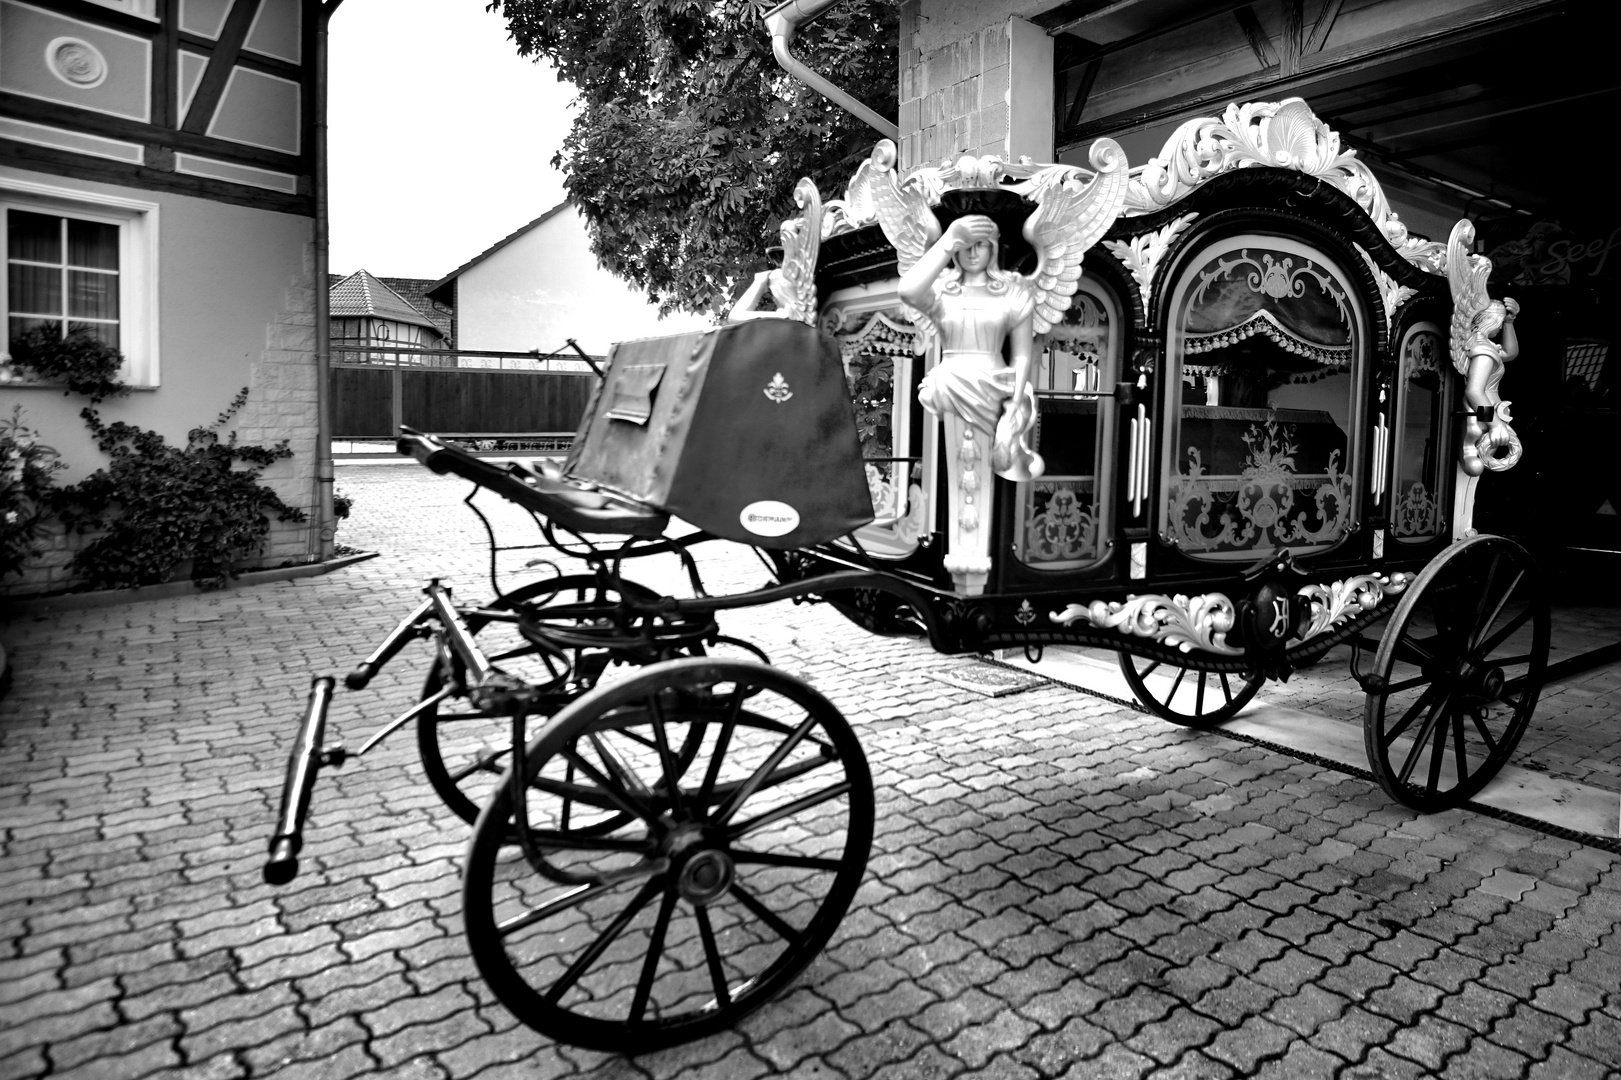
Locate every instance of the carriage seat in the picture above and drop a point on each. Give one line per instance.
(544, 490)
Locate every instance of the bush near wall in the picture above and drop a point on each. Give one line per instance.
(154, 509)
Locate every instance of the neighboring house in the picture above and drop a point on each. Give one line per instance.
(158, 181)
(367, 312)
(541, 286)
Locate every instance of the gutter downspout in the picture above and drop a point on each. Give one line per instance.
(786, 18)
(323, 528)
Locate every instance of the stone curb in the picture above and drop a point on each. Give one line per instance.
(169, 589)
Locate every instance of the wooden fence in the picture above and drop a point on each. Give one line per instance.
(375, 390)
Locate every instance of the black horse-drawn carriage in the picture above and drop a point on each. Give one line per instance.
(1249, 433)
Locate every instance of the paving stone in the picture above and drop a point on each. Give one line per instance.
(1484, 1059)
(1114, 1063)
(1429, 1042)
(1476, 1007)
(1352, 1033)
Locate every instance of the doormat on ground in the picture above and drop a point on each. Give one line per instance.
(991, 680)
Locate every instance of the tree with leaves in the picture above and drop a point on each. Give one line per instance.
(689, 137)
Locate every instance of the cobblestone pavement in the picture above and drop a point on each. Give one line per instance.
(1058, 887)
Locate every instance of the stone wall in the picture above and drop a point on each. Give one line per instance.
(283, 403)
(984, 90)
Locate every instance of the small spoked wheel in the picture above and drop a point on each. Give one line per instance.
(715, 884)
(1192, 698)
(1457, 674)
(465, 749)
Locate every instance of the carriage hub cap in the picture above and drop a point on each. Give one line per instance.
(705, 876)
(1483, 680)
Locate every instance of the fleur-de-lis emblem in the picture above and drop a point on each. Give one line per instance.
(778, 389)
(1026, 614)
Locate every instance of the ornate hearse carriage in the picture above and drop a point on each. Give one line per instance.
(1218, 413)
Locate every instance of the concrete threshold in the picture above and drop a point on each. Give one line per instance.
(1561, 804)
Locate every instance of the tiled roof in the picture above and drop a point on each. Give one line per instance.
(361, 294)
(415, 291)
(438, 291)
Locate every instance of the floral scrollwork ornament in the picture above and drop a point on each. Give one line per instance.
(1187, 623)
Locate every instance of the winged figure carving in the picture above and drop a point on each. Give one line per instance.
(904, 213)
(1071, 215)
(1489, 443)
(793, 284)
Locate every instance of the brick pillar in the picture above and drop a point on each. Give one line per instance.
(984, 91)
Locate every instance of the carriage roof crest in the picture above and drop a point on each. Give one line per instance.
(1278, 134)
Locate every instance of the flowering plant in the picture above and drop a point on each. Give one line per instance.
(26, 468)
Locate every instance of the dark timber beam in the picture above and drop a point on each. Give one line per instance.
(1409, 41)
(1255, 33)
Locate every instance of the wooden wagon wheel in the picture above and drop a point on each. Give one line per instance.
(1457, 673)
(463, 749)
(722, 881)
(1197, 699)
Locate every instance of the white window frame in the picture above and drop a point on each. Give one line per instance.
(137, 222)
(146, 9)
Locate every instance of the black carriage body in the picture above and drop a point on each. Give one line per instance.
(1343, 467)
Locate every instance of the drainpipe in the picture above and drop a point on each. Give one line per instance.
(322, 526)
(783, 20)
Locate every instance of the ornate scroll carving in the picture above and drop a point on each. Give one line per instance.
(1393, 295)
(1334, 603)
(1188, 623)
(1281, 135)
(1142, 254)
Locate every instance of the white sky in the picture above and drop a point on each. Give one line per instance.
(440, 135)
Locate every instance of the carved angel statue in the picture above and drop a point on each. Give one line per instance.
(968, 308)
(1489, 443)
(793, 284)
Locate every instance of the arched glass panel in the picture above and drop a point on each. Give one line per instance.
(1063, 517)
(1423, 389)
(1262, 388)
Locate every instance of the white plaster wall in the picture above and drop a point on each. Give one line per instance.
(235, 309)
(546, 287)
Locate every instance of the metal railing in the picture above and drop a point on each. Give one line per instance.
(463, 359)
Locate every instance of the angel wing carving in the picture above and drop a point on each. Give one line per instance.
(793, 285)
(1467, 274)
(904, 215)
(1071, 215)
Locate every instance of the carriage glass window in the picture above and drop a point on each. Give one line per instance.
(1421, 437)
(1261, 387)
(1062, 519)
(878, 348)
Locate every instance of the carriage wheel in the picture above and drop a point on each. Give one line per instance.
(1196, 699)
(463, 749)
(1457, 674)
(722, 881)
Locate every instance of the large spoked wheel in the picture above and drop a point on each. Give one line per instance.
(463, 749)
(718, 883)
(1457, 674)
(1193, 698)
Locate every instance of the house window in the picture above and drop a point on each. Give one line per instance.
(144, 8)
(61, 273)
(82, 261)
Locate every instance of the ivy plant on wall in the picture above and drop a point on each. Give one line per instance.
(158, 506)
